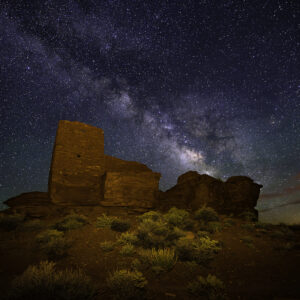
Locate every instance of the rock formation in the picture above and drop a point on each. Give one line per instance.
(77, 167)
(237, 195)
(81, 174)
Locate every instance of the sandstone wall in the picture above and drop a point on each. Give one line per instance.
(77, 167)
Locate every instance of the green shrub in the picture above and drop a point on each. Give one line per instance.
(206, 214)
(10, 222)
(126, 284)
(120, 225)
(45, 282)
(107, 246)
(210, 288)
(128, 238)
(53, 243)
(72, 221)
(127, 250)
(178, 217)
(161, 260)
(201, 250)
(105, 221)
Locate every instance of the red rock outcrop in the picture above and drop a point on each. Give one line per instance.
(237, 195)
(129, 183)
(77, 167)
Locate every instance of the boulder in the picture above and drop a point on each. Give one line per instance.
(77, 167)
(237, 195)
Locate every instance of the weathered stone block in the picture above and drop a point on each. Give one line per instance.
(77, 167)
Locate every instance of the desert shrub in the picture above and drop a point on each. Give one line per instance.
(152, 215)
(202, 233)
(32, 225)
(53, 243)
(248, 216)
(248, 240)
(72, 221)
(127, 250)
(210, 288)
(157, 234)
(206, 214)
(45, 282)
(248, 226)
(10, 222)
(107, 246)
(136, 264)
(178, 217)
(229, 222)
(120, 225)
(201, 250)
(128, 238)
(160, 260)
(126, 284)
(105, 221)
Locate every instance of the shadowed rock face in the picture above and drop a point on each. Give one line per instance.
(238, 194)
(77, 165)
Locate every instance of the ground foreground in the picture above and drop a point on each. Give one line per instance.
(112, 254)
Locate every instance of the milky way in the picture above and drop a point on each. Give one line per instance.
(212, 86)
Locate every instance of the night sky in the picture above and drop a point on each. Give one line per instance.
(206, 85)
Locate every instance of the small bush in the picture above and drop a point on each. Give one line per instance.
(202, 233)
(229, 222)
(32, 225)
(105, 221)
(161, 260)
(53, 243)
(107, 246)
(126, 284)
(248, 216)
(247, 226)
(151, 215)
(201, 250)
(248, 240)
(119, 225)
(127, 250)
(10, 222)
(128, 238)
(44, 282)
(210, 288)
(72, 221)
(178, 217)
(206, 214)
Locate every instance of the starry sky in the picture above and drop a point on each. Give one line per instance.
(207, 85)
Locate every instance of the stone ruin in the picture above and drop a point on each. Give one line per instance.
(82, 175)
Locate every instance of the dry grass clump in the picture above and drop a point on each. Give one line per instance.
(126, 284)
(53, 243)
(45, 282)
(210, 288)
(72, 221)
(160, 260)
(201, 250)
(127, 250)
(105, 221)
(107, 246)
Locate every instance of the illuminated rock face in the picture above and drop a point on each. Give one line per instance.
(237, 195)
(82, 175)
(77, 167)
